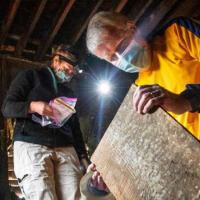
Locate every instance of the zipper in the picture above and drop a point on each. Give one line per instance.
(23, 125)
(54, 80)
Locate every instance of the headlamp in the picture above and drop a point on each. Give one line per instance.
(104, 87)
(78, 70)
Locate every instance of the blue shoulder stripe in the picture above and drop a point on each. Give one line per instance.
(182, 21)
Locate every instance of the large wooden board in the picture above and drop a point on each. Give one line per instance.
(148, 157)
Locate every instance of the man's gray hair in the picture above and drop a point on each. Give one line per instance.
(101, 25)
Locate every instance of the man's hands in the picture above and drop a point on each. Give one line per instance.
(148, 97)
(97, 180)
(41, 107)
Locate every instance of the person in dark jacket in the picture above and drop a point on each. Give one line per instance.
(46, 158)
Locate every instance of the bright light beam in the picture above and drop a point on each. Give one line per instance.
(104, 87)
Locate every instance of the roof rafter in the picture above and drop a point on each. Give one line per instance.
(54, 30)
(9, 19)
(84, 26)
(119, 7)
(34, 19)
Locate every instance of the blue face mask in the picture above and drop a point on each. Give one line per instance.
(62, 76)
(133, 59)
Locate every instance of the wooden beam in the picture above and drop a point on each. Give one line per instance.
(141, 12)
(24, 38)
(121, 5)
(25, 61)
(10, 49)
(9, 20)
(16, 38)
(148, 25)
(84, 26)
(2, 89)
(54, 30)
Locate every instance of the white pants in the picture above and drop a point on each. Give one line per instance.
(47, 173)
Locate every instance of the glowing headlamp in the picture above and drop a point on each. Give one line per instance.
(104, 87)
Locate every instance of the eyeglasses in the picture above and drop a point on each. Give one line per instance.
(65, 59)
(120, 49)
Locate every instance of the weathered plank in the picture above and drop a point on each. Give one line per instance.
(148, 157)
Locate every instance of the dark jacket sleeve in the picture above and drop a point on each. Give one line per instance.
(16, 104)
(192, 94)
(78, 137)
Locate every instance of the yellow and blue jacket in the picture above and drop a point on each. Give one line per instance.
(176, 63)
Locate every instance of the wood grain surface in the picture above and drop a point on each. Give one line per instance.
(148, 157)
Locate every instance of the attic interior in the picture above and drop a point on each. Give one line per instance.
(29, 30)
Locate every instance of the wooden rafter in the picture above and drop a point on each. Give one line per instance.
(15, 59)
(24, 38)
(54, 30)
(12, 49)
(16, 38)
(9, 20)
(121, 5)
(154, 18)
(143, 10)
(84, 26)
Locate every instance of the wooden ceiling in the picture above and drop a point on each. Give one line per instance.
(29, 28)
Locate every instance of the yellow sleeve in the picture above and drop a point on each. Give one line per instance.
(188, 33)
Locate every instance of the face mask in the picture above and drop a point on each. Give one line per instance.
(62, 76)
(133, 59)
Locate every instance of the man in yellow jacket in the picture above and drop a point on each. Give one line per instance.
(167, 63)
